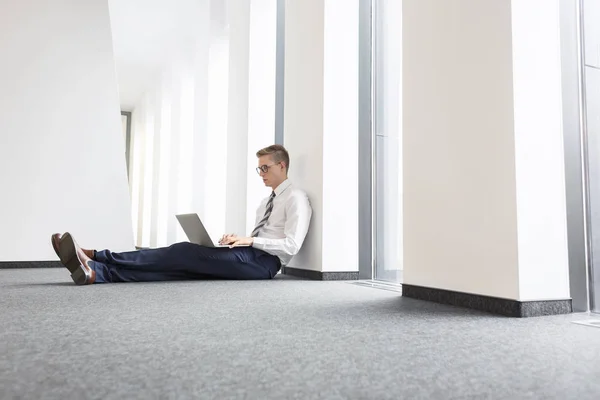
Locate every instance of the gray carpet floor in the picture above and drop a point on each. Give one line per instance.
(279, 339)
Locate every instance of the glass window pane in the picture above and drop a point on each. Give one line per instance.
(387, 123)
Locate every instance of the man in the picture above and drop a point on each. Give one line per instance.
(282, 221)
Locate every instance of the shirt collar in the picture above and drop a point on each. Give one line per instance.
(282, 187)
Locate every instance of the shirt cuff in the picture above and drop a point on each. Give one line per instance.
(259, 243)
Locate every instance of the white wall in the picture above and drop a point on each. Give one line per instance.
(460, 229)
(62, 153)
(541, 201)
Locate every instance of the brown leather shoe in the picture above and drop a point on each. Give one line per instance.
(76, 261)
(55, 240)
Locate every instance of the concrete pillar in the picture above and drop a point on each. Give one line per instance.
(321, 129)
(484, 197)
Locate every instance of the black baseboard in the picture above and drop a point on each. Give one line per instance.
(495, 305)
(319, 275)
(30, 264)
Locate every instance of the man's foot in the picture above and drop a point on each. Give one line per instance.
(76, 261)
(55, 240)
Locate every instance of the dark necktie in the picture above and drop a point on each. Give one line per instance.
(264, 220)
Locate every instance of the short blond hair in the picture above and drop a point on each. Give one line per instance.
(278, 153)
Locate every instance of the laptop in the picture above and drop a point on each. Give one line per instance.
(196, 232)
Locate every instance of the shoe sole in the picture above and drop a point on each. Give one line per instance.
(80, 274)
(55, 240)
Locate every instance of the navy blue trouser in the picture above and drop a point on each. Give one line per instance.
(184, 261)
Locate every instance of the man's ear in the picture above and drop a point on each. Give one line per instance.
(283, 165)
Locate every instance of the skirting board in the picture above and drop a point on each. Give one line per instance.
(495, 305)
(30, 264)
(319, 275)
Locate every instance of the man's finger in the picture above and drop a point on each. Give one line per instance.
(236, 243)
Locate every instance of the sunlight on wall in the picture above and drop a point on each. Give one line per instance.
(147, 189)
(180, 127)
(261, 94)
(163, 173)
(216, 155)
(186, 138)
(135, 177)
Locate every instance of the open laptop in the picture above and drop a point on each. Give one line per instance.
(196, 232)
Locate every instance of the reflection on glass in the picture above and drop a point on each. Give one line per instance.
(591, 91)
(387, 123)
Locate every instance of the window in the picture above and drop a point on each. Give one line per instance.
(387, 143)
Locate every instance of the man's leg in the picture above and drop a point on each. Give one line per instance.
(183, 261)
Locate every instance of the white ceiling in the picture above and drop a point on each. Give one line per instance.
(146, 34)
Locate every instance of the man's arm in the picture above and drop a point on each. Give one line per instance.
(233, 239)
(298, 214)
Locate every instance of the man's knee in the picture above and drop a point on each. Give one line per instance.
(191, 250)
(184, 246)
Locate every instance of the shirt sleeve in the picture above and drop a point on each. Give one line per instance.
(298, 213)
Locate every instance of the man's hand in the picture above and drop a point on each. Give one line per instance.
(228, 239)
(242, 241)
(234, 240)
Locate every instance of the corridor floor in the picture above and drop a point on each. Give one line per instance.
(279, 339)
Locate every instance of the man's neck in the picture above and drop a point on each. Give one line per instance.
(274, 187)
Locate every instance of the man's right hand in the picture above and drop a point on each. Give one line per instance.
(228, 239)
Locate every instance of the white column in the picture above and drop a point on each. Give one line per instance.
(217, 118)
(185, 172)
(164, 173)
(172, 226)
(200, 63)
(321, 126)
(155, 157)
(237, 126)
(340, 136)
(541, 202)
(148, 168)
(483, 172)
(136, 173)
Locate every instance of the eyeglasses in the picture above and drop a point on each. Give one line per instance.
(265, 168)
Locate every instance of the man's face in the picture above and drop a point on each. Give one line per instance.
(275, 172)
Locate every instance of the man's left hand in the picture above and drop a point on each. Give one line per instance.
(242, 241)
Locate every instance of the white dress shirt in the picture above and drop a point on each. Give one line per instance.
(284, 232)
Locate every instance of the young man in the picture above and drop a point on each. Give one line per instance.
(282, 221)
